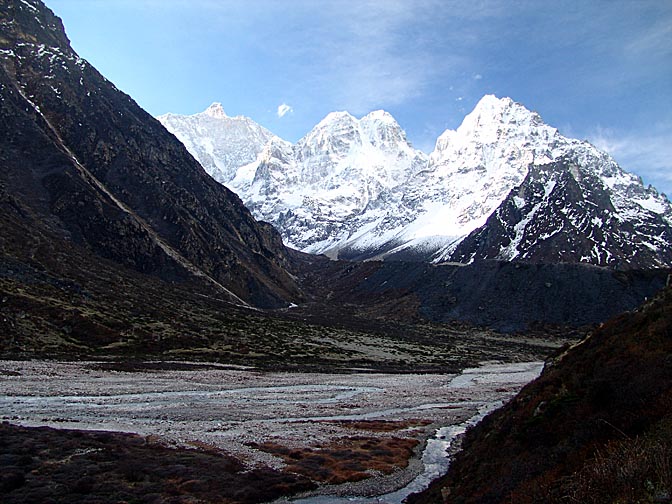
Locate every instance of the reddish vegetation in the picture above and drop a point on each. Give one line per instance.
(349, 459)
(595, 427)
(49, 466)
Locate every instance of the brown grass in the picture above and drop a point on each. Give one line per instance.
(59, 466)
(348, 459)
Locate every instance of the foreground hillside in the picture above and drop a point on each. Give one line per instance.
(595, 427)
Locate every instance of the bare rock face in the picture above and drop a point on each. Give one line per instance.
(82, 158)
(565, 213)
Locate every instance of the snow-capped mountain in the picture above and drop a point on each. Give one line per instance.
(573, 202)
(343, 175)
(220, 143)
(503, 185)
(335, 181)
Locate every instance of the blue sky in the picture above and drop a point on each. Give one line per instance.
(597, 70)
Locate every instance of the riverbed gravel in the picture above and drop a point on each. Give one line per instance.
(238, 409)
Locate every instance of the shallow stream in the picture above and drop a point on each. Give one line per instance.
(435, 457)
(237, 410)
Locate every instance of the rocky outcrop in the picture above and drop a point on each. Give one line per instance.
(564, 213)
(83, 157)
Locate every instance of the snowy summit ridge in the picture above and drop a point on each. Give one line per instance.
(216, 110)
(220, 143)
(357, 189)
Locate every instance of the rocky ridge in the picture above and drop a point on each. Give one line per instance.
(356, 189)
(84, 164)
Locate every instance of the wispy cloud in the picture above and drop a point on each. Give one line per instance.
(652, 42)
(372, 54)
(648, 154)
(356, 55)
(284, 109)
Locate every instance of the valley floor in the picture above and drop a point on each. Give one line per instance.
(353, 433)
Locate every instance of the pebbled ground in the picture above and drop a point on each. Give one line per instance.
(322, 428)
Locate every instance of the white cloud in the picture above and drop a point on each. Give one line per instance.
(371, 54)
(647, 154)
(284, 109)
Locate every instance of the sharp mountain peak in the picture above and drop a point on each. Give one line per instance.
(356, 189)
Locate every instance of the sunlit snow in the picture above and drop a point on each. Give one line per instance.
(358, 184)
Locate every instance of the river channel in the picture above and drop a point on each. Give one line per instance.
(238, 409)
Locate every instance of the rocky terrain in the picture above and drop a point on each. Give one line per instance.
(293, 429)
(506, 296)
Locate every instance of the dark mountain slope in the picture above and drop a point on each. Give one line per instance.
(595, 427)
(563, 212)
(505, 296)
(83, 158)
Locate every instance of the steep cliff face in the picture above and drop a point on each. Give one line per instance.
(84, 159)
(564, 212)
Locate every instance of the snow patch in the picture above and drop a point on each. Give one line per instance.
(29, 5)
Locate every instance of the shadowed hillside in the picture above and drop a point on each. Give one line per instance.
(595, 427)
(82, 163)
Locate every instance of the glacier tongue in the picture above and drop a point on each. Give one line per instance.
(356, 188)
